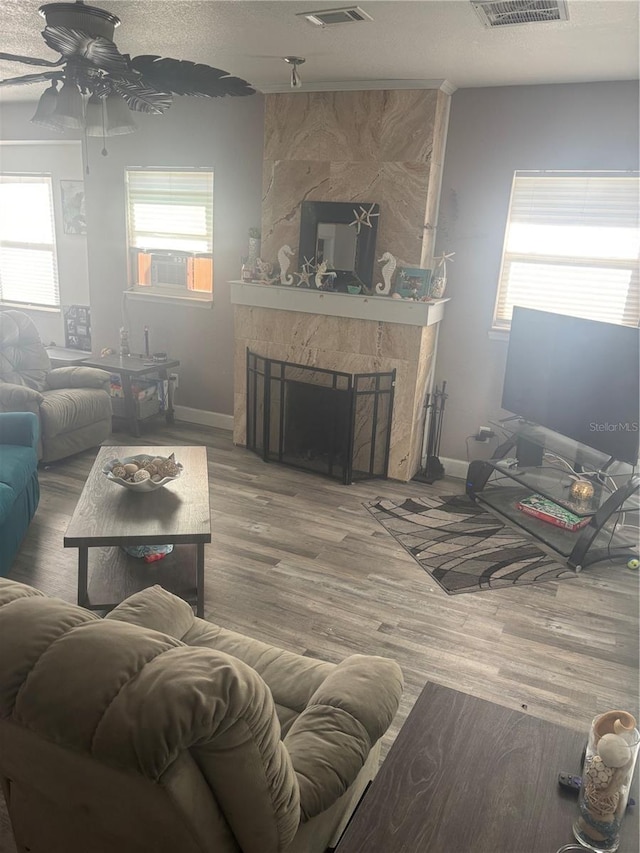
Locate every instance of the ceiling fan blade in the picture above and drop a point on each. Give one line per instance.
(183, 77)
(31, 60)
(97, 50)
(141, 97)
(31, 78)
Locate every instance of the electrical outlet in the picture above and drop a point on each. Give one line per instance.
(484, 433)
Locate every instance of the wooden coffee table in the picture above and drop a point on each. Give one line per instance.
(468, 776)
(108, 516)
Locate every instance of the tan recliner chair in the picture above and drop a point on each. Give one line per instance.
(152, 731)
(72, 403)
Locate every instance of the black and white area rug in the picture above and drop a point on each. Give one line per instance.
(463, 547)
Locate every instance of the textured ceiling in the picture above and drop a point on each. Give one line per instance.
(408, 40)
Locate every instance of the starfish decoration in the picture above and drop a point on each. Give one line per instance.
(304, 276)
(363, 218)
(443, 258)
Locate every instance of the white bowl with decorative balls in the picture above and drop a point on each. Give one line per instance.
(143, 473)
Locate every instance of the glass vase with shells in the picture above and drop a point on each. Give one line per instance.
(609, 763)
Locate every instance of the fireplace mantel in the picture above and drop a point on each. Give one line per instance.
(311, 301)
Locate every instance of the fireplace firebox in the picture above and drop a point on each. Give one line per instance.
(326, 421)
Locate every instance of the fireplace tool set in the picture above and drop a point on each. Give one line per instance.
(434, 405)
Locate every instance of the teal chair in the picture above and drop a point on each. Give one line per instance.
(19, 487)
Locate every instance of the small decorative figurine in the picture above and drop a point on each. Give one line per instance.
(321, 270)
(124, 343)
(284, 255)
(387, 272)
(264, 271)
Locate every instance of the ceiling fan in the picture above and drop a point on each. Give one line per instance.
(100, 85)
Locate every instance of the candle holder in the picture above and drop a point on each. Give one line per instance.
(582, 490)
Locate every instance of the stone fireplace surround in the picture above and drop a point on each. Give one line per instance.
(383, 146)
(353, 334)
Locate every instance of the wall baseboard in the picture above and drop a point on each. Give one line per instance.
(203, 417)
(455, 467)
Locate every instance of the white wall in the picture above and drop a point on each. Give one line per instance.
(63, 160)
(492, 133)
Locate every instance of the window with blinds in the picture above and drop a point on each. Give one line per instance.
(572, 245)
(28, 262)
(170, 231)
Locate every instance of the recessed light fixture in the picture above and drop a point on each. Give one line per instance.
(342, 15)
(294, 61)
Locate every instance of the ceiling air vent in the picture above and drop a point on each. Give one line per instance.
(509, 13)
(329, 17)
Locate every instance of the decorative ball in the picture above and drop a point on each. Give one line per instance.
(131, 468)
(582, 490)
(598, 774)
(119, 471)
(169, 468)
(614, 750)
(151, 467)
(141, 475)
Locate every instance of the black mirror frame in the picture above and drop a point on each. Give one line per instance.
(340, 213)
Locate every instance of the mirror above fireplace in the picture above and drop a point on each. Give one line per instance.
(341, 233)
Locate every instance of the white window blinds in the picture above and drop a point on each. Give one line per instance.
(170, 210)
(572, 246)
(28, 263)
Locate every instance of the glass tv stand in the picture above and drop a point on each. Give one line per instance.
(552, 463)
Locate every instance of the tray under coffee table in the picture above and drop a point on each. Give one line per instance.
(109, 516)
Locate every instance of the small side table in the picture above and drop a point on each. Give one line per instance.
(133, 366)
(65, 357)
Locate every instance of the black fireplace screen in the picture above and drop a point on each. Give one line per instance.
(321, 420)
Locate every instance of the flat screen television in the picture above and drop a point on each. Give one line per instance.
(577, 377)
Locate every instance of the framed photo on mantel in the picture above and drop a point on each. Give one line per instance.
(413, 282)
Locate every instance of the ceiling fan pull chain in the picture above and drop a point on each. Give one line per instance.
(85, 150)
(104, 151)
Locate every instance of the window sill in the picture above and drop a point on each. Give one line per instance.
(27, 306)
(498, 334)
(169, 298)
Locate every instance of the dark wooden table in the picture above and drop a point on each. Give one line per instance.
(108, 516)
(469, 776)
(132, 366)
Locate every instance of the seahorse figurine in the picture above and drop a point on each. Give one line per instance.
(320, 272)
(387, 271)
(284, 254)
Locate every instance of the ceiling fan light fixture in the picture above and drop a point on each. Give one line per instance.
(94, 124)
(69, 111)
(294, 61)
(118, 115)
(46, 107)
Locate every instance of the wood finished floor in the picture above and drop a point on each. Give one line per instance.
(297, 561)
